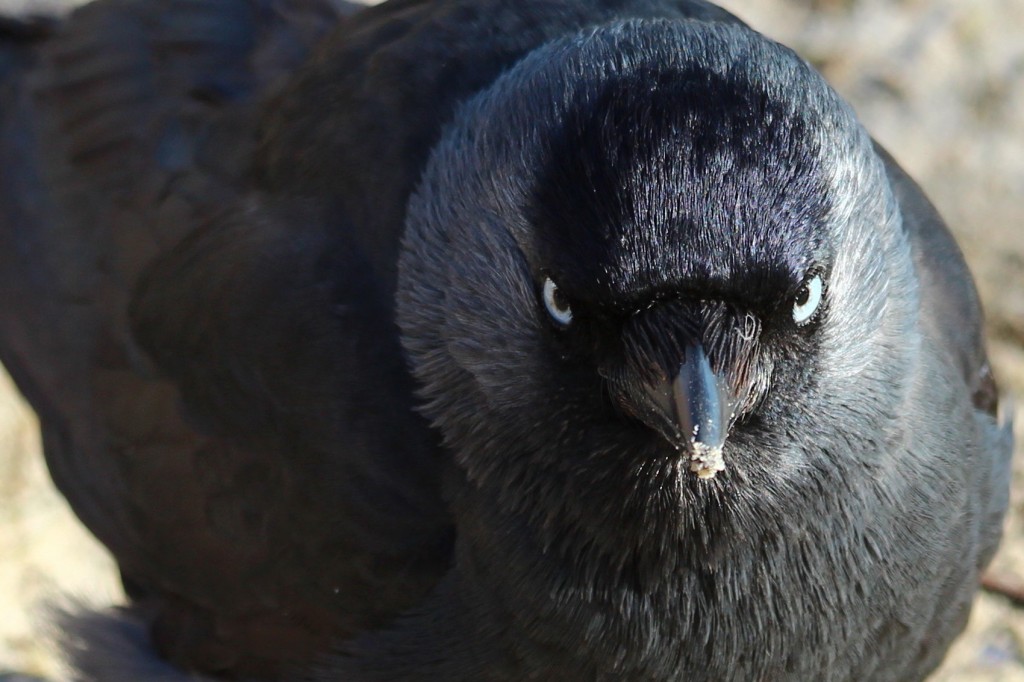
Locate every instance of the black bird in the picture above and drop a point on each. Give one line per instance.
(491, 340)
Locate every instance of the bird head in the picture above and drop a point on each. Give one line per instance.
(655, 261)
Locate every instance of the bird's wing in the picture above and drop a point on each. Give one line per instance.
(218, 379)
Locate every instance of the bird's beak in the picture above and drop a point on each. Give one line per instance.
(701, 403)
(697, 406)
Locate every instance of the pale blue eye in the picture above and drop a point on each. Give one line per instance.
(557, 306)
(808, 300)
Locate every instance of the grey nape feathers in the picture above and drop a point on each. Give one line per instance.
(493, 340)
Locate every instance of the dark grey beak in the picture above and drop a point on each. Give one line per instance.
(692, 410)
(702, 406)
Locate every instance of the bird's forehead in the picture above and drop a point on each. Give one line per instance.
(680, 178)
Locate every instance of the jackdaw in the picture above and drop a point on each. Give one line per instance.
(488, 340)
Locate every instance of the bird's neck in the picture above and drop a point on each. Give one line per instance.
(560, 593)
(592, 597)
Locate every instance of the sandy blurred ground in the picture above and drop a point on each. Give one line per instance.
(939, 82)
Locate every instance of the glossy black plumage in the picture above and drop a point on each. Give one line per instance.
(201, 258)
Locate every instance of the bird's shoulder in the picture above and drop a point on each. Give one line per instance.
(957, 365)
(952, 313)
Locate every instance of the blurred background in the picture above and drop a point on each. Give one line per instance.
(940, 83)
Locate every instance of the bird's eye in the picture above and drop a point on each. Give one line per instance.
(807, 300)
(555, 302)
